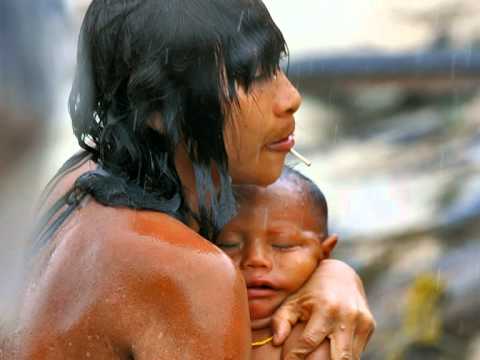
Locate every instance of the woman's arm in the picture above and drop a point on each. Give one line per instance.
(334, 305)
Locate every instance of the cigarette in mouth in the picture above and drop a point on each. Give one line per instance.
(300, 157)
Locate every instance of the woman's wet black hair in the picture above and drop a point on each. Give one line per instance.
(180, 61)
(313, 191)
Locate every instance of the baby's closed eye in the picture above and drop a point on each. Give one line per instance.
(230, 241)
(285, 241)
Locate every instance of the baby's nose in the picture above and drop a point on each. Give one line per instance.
(257, 256)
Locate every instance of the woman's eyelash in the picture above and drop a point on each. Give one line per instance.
(261, 77)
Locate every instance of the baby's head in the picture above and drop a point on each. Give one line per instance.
(277, 239)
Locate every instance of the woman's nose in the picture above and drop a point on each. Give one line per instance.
(256, 256)
(288, 99)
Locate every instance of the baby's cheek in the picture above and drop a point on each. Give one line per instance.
(234, 257)
(298, 269)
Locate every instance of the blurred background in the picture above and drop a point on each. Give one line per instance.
(391, 121)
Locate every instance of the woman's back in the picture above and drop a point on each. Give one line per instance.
(121, 283)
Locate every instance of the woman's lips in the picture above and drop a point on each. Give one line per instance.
(283, 145)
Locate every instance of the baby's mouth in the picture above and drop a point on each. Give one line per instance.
(260, 291)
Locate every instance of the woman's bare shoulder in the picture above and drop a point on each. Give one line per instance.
(132, 276)
(147, 240)
(168, 279)
(128, 245)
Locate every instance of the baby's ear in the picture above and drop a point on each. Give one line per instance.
(328, 245)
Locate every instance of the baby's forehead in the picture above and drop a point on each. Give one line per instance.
(283, 192)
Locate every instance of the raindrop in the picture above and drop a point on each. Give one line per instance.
(239, 26)
(453, 66)
(265, 218)
(469, 55)
(438, 278)
(335, 133)
(442, 158)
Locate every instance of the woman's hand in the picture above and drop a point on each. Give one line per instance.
(334, 305)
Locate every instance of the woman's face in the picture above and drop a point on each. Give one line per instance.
(259, 132)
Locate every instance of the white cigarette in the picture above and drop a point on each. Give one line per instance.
(300, 157)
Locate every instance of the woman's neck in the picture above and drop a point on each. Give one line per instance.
(185, 171)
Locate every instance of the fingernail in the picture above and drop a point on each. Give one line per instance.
(276, 337)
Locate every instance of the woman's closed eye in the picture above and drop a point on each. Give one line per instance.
(263, 76)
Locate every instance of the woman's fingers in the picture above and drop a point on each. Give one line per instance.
(283, 321)
(332, 304)
(316, 331)
(364, 331)
(341, 343)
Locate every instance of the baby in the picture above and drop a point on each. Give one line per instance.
(276, 240)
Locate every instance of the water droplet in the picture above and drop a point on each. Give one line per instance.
(453, 66)
(335, 133)
(239, 26)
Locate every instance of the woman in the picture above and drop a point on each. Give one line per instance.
(173, 101)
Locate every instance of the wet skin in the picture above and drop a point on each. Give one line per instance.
(257, 132)
(276, 240)
(119, 284)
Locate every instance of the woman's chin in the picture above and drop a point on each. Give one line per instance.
(263, 173)
(259, 178)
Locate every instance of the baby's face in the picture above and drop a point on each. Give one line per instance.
(276, 241)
